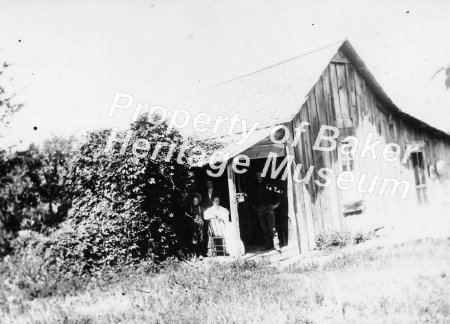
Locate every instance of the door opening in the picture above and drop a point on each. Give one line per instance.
(250, 227)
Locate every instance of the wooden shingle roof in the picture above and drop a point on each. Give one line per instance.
(275, 94)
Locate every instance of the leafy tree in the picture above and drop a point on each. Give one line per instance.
(19, 179)
(447, 75)
(7, 109)
(33, 192)
(56, 156)
(124, 207)
(7, 105)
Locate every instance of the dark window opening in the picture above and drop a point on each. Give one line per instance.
(418, 164)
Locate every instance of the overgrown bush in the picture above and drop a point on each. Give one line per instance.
(332, 239)
(125, 207)
(329, 240)
(99, 208)
(25, 272)
(30, 272)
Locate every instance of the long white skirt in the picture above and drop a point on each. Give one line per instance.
(228, 231)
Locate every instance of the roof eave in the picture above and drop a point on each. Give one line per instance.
(364, 72)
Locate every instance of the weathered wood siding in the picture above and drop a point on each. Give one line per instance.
(341, 98)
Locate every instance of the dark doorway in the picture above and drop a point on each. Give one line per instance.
(220, 184)
(250, 229)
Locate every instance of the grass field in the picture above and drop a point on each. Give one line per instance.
(369, 283)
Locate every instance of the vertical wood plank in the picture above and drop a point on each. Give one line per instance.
(234, 208)
(361, 134)
(343, 94)
(294, 205)
(328, 195)
(354, 115)
(301, 157)
(314, 160)
(336, 195)
(371, 201)
(335, 96)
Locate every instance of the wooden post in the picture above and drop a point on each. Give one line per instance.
(299, 213)
(234, 208)
(293, 230)
(301, 203)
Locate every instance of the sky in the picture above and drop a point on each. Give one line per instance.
(71, 57)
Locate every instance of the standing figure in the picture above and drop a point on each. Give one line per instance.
(266, 199)
(195, 213)
(209, 194)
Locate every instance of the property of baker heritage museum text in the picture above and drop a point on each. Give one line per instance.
(340, 153)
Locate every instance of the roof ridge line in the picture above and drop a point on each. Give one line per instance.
(279, 63)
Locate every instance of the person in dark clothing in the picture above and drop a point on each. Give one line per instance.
(266, 199)
(195, 213)
(209, 194)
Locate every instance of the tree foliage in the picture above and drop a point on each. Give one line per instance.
(124, 207)
(101, 208)
(7, 105)
(33, 191)
(446, 70)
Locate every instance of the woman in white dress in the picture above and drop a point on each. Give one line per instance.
(218, 212)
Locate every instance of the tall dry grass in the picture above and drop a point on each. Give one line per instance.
(402, 283)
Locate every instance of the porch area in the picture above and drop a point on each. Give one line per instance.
(237, 188)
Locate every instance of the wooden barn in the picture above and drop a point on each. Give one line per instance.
(402, 179)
